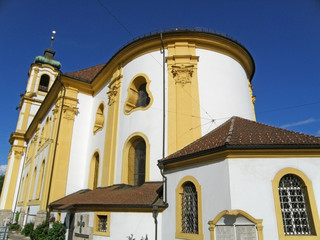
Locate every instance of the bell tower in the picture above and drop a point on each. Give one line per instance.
(42, 74)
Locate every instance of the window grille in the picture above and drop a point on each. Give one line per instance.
(189, 209)
(102, 224)
(294, 206)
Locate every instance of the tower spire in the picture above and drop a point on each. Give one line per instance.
(48, 55)
(52, 38)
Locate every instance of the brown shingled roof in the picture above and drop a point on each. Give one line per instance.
(87, 74)
(116, 196)
(239, 133)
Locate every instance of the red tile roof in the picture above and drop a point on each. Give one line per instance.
(87, 74)
(241, 133)
(116, 196)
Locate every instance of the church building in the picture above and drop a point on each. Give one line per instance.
(161, 142)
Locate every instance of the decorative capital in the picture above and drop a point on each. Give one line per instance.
(114, 89)
(18, 154)
(253, 98)
(182, 74)
(69, 112)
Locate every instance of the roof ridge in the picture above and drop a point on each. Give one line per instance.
(83, 69)
(229, 136)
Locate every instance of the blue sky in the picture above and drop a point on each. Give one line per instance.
(282, 36)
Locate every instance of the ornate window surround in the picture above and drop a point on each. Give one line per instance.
(132, 93)
(179, 190)
(257, 222)
(311, 198)
(99, 118)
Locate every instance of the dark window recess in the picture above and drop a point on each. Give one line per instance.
(139, 162)
(44, 83)
(103, 223)
(143, 97)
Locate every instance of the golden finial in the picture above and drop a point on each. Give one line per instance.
(52, 38)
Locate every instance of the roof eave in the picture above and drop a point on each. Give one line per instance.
(240, 147)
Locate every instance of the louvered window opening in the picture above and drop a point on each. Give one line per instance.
(294, 206)
(103, 220)
(43, 88)
(189, 209)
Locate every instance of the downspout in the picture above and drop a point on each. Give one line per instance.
(56, 144)
(164, 118)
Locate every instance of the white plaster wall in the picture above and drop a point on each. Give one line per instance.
(223, 89)
(138, 224)
(34, 108)
(148, 122)
(96, 142)
(214, 182)
(31, 215)
(6, 183)
(251, 186)
(77, 172)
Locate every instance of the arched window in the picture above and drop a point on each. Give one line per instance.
(42, 137)
(40, 180)
(21, 190)
(47, 128)
(33, 183)
(189, 216)
(25, 188)
(189, 209)
(99, 121)
(44, 83)
(94, 171)
(31, 150)
(139, 96)
(295, 207)
(137, 162)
